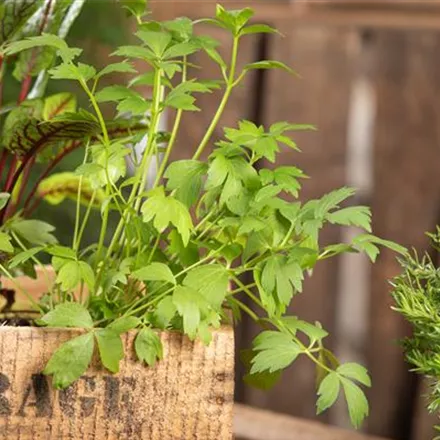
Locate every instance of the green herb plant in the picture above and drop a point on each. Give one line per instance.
(416, 294)
(37, 131)
(185, 245)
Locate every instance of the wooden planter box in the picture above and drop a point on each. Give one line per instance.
(187, 395)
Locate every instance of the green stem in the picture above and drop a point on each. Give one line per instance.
(131, 310)
(246, 309)
(108, 188)
(84, 222)
(143, 169)
(247, 291)
(153, 250)
(173, 137)
(224, 101)
(305, 350)
(38, 263)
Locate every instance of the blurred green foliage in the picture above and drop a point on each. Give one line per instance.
(100, 28)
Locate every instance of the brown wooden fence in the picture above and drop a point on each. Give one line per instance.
(371, 83)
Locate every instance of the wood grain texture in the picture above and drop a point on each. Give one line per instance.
(188, 395)
(253, 424)
(349, 14)
(405, 204)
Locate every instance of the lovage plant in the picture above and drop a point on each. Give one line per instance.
(178, 255)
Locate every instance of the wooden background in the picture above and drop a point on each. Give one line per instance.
(370, 81)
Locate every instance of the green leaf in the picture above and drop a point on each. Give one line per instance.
(111, 349)
(124, 324)
(180, 50)
(116, 93)
(5, 243)
(276, 352)
(148, 347)
(268, 64)
(87, 274)
(68, 54)
(58, 104)
(136, 52)
(136, 7)
(165, 312)
(332, 200)
(24, 256)
(155, 272)
(264, 380)
(369, 244)
(356, 401)
(355, 372)
(69, 276)
(68, 315)
(328, 392)
(4, 197)
(62, 252)
(156, 41)
(34, 231)
(211, 281)
(232, 20)
(187, 301)
(258, 29)
(165, 210)
(313, 332)
(71, 360)
(279, 276)
(185, 176)
(182, 102)
(121, 67)
(359, 216)
(187, 255)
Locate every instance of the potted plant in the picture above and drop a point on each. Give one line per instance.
(163, 288)
(415, 292)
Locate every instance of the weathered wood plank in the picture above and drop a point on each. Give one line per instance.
(189, 394)
(254, 424)
(405, 205)
(355, 14)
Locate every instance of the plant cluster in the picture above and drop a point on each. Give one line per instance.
(178, 256)
(416, 292)
(37, 130)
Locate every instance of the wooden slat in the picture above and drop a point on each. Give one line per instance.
(404, 205)
(376, 14)
(320, 96)
(254, 424)
(187, 395)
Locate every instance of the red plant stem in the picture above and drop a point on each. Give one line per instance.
(27, 204)
(3, 158)
(11, 174)
(25, 86)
